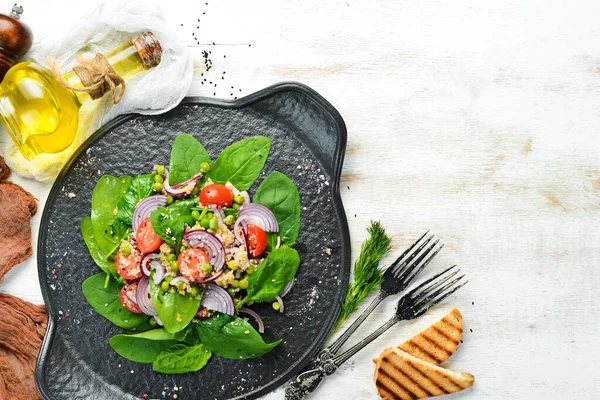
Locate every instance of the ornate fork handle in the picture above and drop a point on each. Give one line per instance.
(308, 381)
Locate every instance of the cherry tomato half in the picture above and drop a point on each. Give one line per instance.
(127, 303)
(190, 264)
(128, 266)
(216, 194)
(147, 240)
(257, 240)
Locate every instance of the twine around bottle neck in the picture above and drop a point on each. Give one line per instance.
(97, 77)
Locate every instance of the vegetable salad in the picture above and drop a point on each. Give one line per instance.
(185, 250)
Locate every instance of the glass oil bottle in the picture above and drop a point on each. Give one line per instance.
(41, 111)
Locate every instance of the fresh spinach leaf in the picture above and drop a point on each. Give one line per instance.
(180, 359)
(186, 156)
(279, 194)
(174, 310)
(139, 188)
(168, 226)
(106, 302)
(271, 241)
(273, 274)
(142, 347)
(108, 230)
(97, 254)
(232, 337)
(241, 162)
(183, 210)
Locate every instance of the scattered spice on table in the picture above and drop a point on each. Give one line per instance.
(22, 328)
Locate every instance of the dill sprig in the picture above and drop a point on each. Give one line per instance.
(367, 274)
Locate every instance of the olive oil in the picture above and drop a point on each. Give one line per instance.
(41, 113)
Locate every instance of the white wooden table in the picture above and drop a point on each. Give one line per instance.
(478, 120)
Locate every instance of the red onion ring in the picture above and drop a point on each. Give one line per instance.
(280, 301)
(178, 279)
(145, 207)
(209, 243)
(145, 260)
(159, 271)
(143, 297)
(213, 278)
(259, 321)
(158, 321)
(185, 183)
(278, 245)
(257, 214)
(233, 189)
(219, 213)
(287, 288)
(217, 299)
(179, 191)
(246, 197)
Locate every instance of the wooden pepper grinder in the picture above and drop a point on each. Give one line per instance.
(15, 39)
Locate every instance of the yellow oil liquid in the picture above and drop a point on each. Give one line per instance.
(40, 114)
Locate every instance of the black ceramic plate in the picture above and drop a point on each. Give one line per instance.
(309, 139)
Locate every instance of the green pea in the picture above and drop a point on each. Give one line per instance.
(235, 283)
(235, 206)
(171, 257)
(276, 306)
(160, 169)
(152, 322)
(244, 283)
(204, 167)
(211, 231)
(232, 265)
(196, 215)
(195, 291)
(213, 224)
(229, 220)
(170, 199)
(158, 178)
(180, 285)
(239, 199)
(158, 187)
(250, 270)
(207, 267)
(126, 250)
(174, 266)
(168, 278)
(205, 222)
(164, 285)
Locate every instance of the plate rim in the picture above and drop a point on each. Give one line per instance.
(339, 153)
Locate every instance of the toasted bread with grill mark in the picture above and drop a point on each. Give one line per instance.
(402, 376)
(438, 342)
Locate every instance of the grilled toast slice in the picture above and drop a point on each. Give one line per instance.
(438, 342)
(400, 375)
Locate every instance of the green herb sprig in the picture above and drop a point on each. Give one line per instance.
(367, 274)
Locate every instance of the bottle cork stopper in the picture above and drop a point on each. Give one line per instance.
(149, 49)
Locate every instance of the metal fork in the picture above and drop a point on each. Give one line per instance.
(396, 278)
(410, 306)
